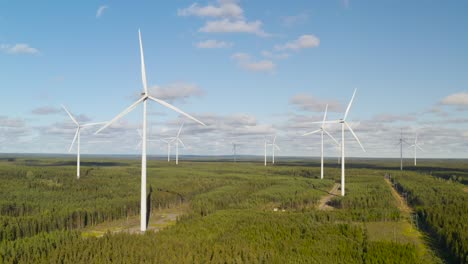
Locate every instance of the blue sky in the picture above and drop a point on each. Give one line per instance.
(248, 68)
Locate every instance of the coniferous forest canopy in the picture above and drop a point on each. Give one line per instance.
(230, 212)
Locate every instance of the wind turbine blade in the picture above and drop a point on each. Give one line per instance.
(354, 134)
(325, 115)
(139, 133)
(74, 139)
(126, 111)
(143, 69)
(175, 109)
(349, 105)
(70, 115)
(326, 132)
(180, 129)
(313, 132)
(419, 147)
(274, 140)
(183, 145)
(276, 146)
(93, 124)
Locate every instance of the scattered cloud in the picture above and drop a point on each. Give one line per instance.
(245, 61)
(271, 55)
(229, 18)
(230, 26)
(303, 42)
(213, 44)
(457, 99)
(390, 118)
(46, 110)
(178, 91)
(225, 8)
(100, 10)
(11, 122)
(308, 103)
(19, 48)
(290, 21)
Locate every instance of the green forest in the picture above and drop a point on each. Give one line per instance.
(232, 212)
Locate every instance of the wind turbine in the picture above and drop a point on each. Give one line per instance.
(344, 125)
(322, 130)
(401, 149)
(168, 141)
(144, 99)
(273, 148)
(234, 150)
(265, 150)
(177, 141)
(141, 139)
(77, 138)
(415, 146)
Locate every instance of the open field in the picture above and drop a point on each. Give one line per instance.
(225, 212)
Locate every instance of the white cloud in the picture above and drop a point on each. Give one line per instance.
(390, 118)
(237, 26)
(178, 91)
(100, 11)
(213, 44)
(271, 55)
(313, 104)
(245, 61)
(303, 42)
(45, 110)
(458, 99)
(224, 9)
(19, 48)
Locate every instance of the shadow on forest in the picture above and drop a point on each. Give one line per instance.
(148, 206)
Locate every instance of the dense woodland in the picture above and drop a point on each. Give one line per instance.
(230, 217)
(442, 210)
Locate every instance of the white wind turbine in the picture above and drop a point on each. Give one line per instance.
(77, 138)
(234, 150)
(168, 141)
(343, 125)
(265, 150)
(273, 148)
(401, 149)
(415, 146)
(322, 130)
(144, 99)
(141, 139)
(177, 141)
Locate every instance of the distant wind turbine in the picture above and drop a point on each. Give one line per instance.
(322, 130)
(77, 138)
(344, 125)
(265, 150)
(144, 99)
(415, 146)
(168, 141)
(273, 148)
(177, 141)
(401, 148)
(234, 150)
